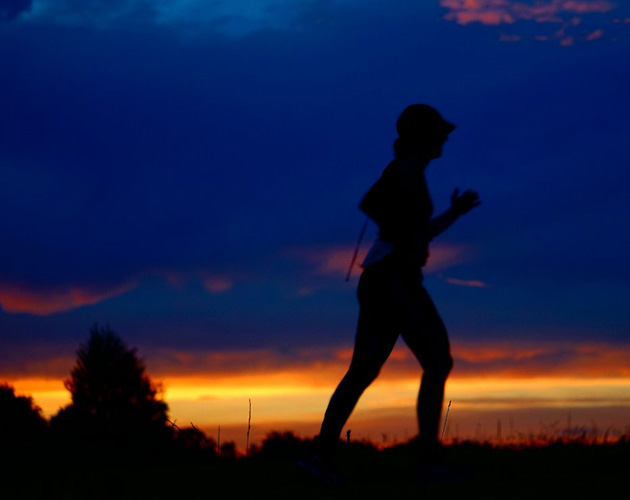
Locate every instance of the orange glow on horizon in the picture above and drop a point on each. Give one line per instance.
(289, 395)
(500, 378)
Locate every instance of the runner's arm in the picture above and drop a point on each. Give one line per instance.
(460, 204)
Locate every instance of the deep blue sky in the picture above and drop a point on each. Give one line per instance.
(197, 162)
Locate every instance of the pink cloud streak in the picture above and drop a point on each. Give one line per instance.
(17, 299)
(496, 12)
(468, 283)
(334, 260)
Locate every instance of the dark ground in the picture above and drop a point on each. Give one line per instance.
(559, 471)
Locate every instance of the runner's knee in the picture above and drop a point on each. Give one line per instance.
(362, 375)
(439, 368)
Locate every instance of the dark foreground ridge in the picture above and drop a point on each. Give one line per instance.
(116, 441)
(556, 470)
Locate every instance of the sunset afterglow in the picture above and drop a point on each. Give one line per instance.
(297, 396)
(189, 174)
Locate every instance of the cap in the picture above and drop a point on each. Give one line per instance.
(421, 119)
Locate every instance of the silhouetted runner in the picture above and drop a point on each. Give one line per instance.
(392, 297)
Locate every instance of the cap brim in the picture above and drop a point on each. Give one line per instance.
(448, 126)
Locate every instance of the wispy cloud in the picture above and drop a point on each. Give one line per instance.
(322, 365)
(241, 17)
(334, 260)
(43, 302)
(595, 35)
(445, 255)
(495, 12)
(519, 359)
(214, 282)
(467, 283)
(563, 13)
(542, 359)
(233, 17)
(218, 284)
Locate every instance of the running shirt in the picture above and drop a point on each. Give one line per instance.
(400, 204)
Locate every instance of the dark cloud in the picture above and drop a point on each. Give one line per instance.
(228, 17)
(517, 359)
(11, 9)
(141, 156)
(100, 13)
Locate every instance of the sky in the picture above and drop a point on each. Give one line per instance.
(189, 173)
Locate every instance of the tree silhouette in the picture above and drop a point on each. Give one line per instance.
(113, 399)
(21, 421)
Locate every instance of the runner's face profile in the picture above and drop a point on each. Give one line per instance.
(436, 143)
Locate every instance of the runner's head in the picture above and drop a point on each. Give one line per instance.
(421, 132)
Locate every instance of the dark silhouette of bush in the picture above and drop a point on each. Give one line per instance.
(195, 443)
(281, 445)
(228, 450)
(21, 421)
(113, 399)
